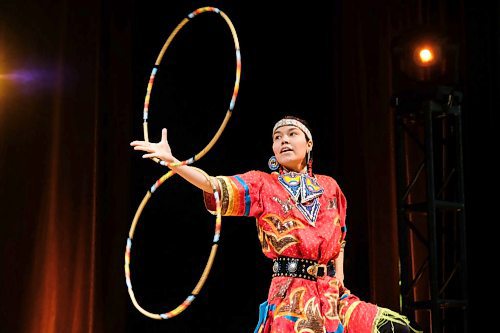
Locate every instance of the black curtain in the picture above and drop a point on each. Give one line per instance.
(72, 84)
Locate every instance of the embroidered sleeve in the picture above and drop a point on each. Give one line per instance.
(240, 194)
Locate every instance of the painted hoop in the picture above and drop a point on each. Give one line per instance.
(235, 89)
(181, 307)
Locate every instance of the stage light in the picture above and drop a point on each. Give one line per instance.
(424, 56)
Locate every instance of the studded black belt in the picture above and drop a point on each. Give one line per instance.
(301, 268)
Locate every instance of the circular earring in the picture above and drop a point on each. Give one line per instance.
(273, 163)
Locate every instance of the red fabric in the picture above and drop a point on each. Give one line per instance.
(297, 305)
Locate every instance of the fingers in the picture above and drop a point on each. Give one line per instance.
(148, 149)
(143, 145)
(151, 155)
(138, 143)
(164, 135)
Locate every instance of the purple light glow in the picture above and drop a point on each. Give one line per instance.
(27, 76)
(30, 79)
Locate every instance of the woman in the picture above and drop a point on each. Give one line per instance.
(301, 227)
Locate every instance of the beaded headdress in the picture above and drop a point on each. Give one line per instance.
(293, 122)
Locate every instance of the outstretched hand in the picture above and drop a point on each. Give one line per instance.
(159, 150)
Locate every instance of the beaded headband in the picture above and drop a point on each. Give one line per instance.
(293, 122)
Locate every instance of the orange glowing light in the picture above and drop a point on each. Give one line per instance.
(426, 55)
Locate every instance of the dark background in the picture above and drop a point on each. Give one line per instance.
(73, 78)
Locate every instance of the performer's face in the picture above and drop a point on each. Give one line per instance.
(290, 147)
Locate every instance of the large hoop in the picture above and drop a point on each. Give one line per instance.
(181, 307)
(235, 89)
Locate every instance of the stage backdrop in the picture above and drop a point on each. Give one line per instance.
(72, 82)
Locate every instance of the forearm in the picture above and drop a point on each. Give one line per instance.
(193, 176)
(339, 266)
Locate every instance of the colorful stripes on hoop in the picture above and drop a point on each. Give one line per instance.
(233, 97)
(201, 281)
(190, 298)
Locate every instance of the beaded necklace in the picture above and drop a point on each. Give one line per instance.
(305, 192)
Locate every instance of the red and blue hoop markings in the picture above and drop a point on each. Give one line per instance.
(180, 308)
(177, 310)
(233, 97)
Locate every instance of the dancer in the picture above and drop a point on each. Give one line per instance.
(301, 225)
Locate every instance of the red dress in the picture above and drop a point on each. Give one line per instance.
(289, 226)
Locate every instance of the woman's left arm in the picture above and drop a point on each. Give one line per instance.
(339, 265)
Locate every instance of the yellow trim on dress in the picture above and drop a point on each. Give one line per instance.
(349, 311)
